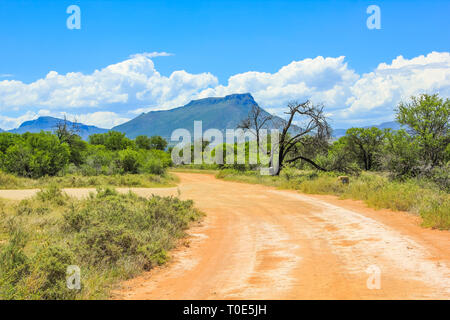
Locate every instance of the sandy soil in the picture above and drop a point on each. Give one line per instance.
(257, 242)
(84, 192)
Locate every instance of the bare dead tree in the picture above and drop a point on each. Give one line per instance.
(65, 130)
(255, 121)
(315, 131)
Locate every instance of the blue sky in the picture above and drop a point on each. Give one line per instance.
(217, 39)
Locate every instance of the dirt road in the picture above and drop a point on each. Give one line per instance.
(261, 243)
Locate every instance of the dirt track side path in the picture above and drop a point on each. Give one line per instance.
(261, 243)
(84, 192)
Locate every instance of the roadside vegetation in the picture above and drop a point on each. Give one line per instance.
(377, 190)
(109, 236)
(145, 180)
(112, 236)
(33, 160)
(406, 169)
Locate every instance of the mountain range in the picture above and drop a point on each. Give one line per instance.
(394, 125)
(217, 112)
(50, 124)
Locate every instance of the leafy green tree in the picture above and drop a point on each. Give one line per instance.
(98, 139)
(77, 149)
(39, 154)
(16, 159)
(8, 139)
(401, 154)
(49, 155)
(112, 140)
(427, 117)
(129, 160)
(143, 142)
(365, 144)
(339, 157)
(97, 160)
(158, 143)
(117, 141)
(154, 142)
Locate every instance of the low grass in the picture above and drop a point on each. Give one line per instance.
(194, 170)
(378, 191)
(109, 236)
(9, 181)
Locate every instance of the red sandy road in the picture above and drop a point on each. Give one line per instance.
(260, 243)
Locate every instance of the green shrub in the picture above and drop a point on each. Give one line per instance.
(110, 236)
(153, 166)
(47, 275)
(103, 244)
(36, 155)
(129, 161)
(52, 194)
(14, 264)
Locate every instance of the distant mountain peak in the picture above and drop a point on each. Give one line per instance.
(47, 123)
(237, 97)
(240, 96)
(214, 112)
(40, 120)
(394, 125)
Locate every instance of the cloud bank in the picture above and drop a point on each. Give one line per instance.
(118, 92)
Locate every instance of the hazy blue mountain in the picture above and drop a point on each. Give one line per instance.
(337, 133)
(49, 124)
(220, 113)
(394, 125)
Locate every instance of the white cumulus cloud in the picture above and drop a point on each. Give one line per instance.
(110, 96)
(134, 81)
(102, 119)
(320, 79)
(378, 92)
(349, 98)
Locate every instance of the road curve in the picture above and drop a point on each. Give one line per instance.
(257, 242)
(261, 243)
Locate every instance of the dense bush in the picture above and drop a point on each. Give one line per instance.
(110, 236)
(339, 158)
(129, 162)
(36, 155)
(428, 120)
(155, 142)
(420, 150)
(112, 140)
(402, 156)
(14, 264)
